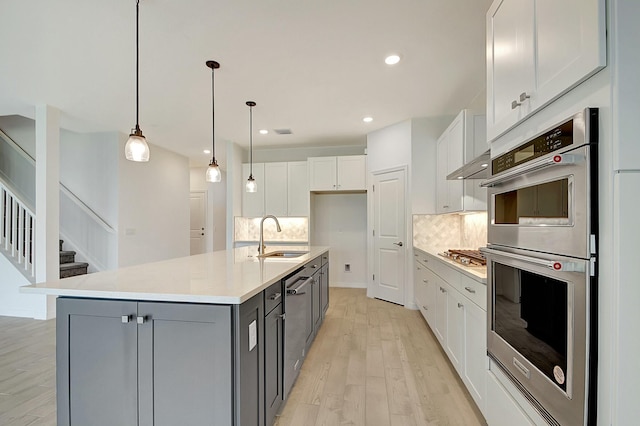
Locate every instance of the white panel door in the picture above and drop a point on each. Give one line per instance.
(198, 208)
(389, 236)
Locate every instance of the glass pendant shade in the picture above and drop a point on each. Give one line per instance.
(136, 148)
(252, 186)
(213, 172)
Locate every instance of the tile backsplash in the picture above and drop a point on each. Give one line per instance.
(294, 229)
(442, 232)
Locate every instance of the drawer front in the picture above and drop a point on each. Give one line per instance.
(473, 290)
(325, 258)
(272, 297)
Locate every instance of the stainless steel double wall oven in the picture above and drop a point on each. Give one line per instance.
(541, 268)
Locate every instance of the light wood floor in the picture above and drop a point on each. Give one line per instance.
(372, 363)
(376, 363)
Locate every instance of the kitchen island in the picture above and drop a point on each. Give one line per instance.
(180, 341)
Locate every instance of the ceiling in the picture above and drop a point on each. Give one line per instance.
(315, 67)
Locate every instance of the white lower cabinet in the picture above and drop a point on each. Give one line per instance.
(454, 306)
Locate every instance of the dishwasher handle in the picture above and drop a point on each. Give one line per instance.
(296, 290)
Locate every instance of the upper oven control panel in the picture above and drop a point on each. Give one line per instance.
(550, 141)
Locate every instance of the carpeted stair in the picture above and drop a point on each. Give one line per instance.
(68, 265)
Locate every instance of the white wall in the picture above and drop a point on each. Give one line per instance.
(13, 303)
(153, 207)
(339, 221)
(216, 214)
(235, 186)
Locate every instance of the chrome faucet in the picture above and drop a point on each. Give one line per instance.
(261, 247)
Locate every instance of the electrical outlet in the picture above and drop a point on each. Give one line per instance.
(347, 267)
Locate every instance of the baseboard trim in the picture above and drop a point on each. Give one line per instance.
(348, 285)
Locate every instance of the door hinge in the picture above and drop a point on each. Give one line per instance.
(592, 266)
(374, 188)
(374, 232)
(592, 244)
(374, 277)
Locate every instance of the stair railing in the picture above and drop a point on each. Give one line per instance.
(17, 230)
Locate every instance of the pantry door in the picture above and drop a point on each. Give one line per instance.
(389, 234)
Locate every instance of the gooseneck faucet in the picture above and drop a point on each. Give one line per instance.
(261, 247)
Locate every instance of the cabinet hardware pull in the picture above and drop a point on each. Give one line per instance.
(425, 281)
(418, 268)
(141, 320)
(443, 290)
(425, 308)
(425, 260)
(282, 316)
(445, 207)
(275, 296)
(470, 290)
(460, 305)
(399, 244)
(125, 319)
(314, 266)
(515, 104)
(524, 96)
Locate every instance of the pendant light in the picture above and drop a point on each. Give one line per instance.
(252, 186)
(213, 171)
(136, 148)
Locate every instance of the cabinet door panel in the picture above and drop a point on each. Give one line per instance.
(442, 188)
(570, 42)
(298, 188)
(322, 173)
(455, 329)
(275, 189)
(253, 202)
(352, 172)
(97, 363)
(273, 364)
(441, 312)
(324, 289)
(510, 62)
(185, 364)
(476, 362)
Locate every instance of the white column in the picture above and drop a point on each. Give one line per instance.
(47, 232)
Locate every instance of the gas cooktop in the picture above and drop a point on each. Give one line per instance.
(465, 257)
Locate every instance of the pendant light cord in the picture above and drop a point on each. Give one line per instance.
(137, 65)
(251, 140)
(213, 119)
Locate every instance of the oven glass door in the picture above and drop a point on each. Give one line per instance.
(546, 203)
(531, 314)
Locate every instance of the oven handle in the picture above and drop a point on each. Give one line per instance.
(554, 265)
(297, 290)
(554, 160)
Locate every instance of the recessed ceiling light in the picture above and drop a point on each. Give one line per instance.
(460, 177)
(484, 165)
(207, 151)
(264, 131)
(392, 59)
(367, 119)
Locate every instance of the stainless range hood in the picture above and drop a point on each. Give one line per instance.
(478, 168)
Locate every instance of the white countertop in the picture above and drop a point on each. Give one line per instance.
(226, 277)
(478, 273)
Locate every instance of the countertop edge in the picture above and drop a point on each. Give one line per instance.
(122, 294)
(461, 268)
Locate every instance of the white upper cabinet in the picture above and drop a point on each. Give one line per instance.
(346, 173)
(253, 202)
(464, 140)
(536, 51)
(283, 190)
(298, 188)
(275, 189)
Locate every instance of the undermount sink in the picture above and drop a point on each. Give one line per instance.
(282, 254)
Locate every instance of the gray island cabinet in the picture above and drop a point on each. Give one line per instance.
(195, 354)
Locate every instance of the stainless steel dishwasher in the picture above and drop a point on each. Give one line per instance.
(297, 325)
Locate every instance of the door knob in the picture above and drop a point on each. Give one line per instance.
(399, 244)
